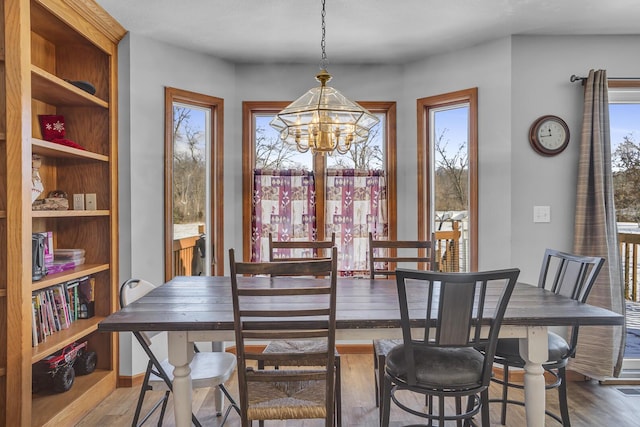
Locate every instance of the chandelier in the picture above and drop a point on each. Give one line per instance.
(323, 119)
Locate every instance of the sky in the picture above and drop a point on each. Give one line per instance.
(624, 120)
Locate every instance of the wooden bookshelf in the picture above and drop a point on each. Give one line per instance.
(49, 42)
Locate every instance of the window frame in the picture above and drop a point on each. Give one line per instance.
(249, 108)
(216, 107)
(425, 167)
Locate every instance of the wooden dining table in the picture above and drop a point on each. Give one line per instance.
(199, 308)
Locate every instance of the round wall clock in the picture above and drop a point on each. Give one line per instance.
(549, 135)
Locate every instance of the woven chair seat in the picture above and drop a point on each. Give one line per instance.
(384, 346)
(274, 400)
(301, 347)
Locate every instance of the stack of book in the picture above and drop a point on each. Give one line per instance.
(55, 308)
(66, 259)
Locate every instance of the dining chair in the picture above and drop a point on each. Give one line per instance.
(384, 255)
(285, 309)
(440, 360)
(208, 369)
(292, 250)
(565, 274)
(299, 251)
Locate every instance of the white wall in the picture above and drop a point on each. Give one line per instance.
(152, 67)
(487, 67)
(518, 79)
(541, 68)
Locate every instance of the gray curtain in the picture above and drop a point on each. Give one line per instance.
(600, 348)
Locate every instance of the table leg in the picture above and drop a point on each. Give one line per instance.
(534, 351)
(218, 396)
(180, 355)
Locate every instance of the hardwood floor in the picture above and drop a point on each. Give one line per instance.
(591, 404)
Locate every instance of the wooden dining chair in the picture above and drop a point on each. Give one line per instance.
(564, 274)
(384, 256)
(439, 360)
(305, 309)
(299, 251)
(208, 369)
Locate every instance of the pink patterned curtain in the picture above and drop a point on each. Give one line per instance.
(356, 204)
(283, 204)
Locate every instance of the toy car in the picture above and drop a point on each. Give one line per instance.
(58, 371)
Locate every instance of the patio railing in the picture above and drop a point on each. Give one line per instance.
(630, 255)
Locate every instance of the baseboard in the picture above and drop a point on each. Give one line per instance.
(130, 381)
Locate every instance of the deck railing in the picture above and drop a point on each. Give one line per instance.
(183, 253)
(630, 255)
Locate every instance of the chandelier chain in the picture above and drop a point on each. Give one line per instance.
(323, 63)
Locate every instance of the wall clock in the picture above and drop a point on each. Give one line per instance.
(549, 135)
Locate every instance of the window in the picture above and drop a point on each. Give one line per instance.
(337, 183)
(624, 124)
(447, 177)
(193, 184)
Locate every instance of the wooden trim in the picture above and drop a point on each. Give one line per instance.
(216, 106)
(424, 105)
(249, 108)
(130, 381)
(612, 83)
(99, 18)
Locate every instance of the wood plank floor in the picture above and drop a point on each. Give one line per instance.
(591, 404)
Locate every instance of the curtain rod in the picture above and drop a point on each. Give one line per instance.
(575, 78)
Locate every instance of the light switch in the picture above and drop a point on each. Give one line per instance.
(542, 214)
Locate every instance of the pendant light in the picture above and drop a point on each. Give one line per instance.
(323, 119)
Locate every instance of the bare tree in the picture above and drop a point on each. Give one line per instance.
(452, 172)
(273, 153)
(188, 169)
(626, 179)
(364, 155)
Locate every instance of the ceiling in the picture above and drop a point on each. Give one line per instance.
(361, 31)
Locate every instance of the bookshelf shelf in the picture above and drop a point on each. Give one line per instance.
(65, 276)
(78, 329)
(48, 88)
(69, 214)
(51, 409)
(51, 149)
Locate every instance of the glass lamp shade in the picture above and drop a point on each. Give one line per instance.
(323, 120)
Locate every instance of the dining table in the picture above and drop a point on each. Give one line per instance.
(199, 309)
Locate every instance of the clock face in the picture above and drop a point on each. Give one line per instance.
(549, 135)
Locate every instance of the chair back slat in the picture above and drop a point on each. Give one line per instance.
(572, 276)
(385, 255)
(456, 304)
(294, 250)
(285, 308)
(456, 313)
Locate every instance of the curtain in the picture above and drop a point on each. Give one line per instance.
(356, 203)
(284, 205)
(600, 349)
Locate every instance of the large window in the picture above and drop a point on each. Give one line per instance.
(447, 177)
(301, 196)
(193, 184)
